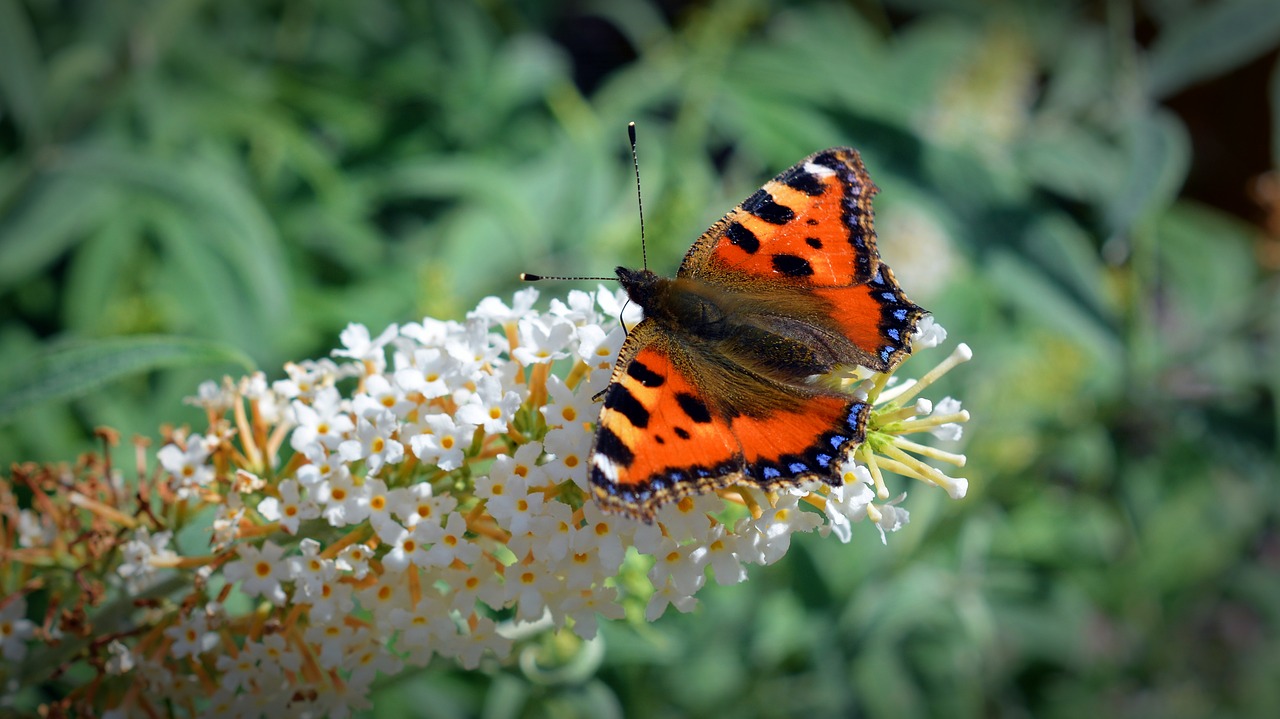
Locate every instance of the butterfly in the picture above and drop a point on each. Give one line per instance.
(720, 383)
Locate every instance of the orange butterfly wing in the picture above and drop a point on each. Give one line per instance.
(658, 439)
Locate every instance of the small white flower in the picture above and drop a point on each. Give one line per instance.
(483, 637)
(543, 339)
(496, 311)
(260, 571)
(491, 407)
(382, 504)
(928, 334)
(502, 486)
(189, 467)
(566, 406)
(688, 518)
(15, 629)
(442, 441)
(120, 660)
(451, 544)
(848, 503)
(192, 635)
(582, 607)
(951, 431)
(580, 309)
(679, 565)
(34, 529)
(289, 508)
(374, 442)
(310, 571)
(357, 344)
(306, 378)
(430, 332)
(430, 374)
(344, 498)
(719, 552)
(269, 405)
(354, 560)
(477, 584)
(474, 346)
(524, 512)
(322, 465)
(138, 555)
(410, 546)
(569, 446)
(601, 534)
(380, 394)
(889, 517)
(419, 502)
(325, 421)
(213, 397)
(332, 601)
(667, 595)
(527, 585)
(771, 532)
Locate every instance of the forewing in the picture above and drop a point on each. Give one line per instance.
(811, 226)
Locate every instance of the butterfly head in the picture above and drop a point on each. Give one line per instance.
(642, 286)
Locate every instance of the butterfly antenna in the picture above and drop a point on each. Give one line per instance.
(635, 162)
(530, 277)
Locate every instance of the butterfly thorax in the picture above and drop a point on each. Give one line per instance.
(764, 335)
(686, 305)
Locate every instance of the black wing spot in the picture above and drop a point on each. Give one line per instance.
(763, 206)
(681, 432)
(813, 242)
(694, 407)
(792, 266)
(620, 398)
(742, 237)
(798, 178)
(612, 446)
(812, 222)
(644, 375)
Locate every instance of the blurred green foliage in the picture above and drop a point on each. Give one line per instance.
(252, 176)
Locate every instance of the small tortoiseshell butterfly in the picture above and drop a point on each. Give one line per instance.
(718, 384)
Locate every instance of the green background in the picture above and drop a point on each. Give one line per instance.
(1083, 192)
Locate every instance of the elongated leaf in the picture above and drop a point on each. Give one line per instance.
(21, 70)
(1211, 40)
(72, 370)
(1159, 162)
(48, 224)
(238, 229)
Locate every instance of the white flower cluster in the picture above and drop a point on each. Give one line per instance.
(444, 500)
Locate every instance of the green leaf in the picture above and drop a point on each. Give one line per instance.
(1159, 163)
(48, 224)
(212, 196)
(73, 370)
(98, 272)
(1072, 159)
(1207, 275)
(21, 70)
(1043, 298)
(1210, 40)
